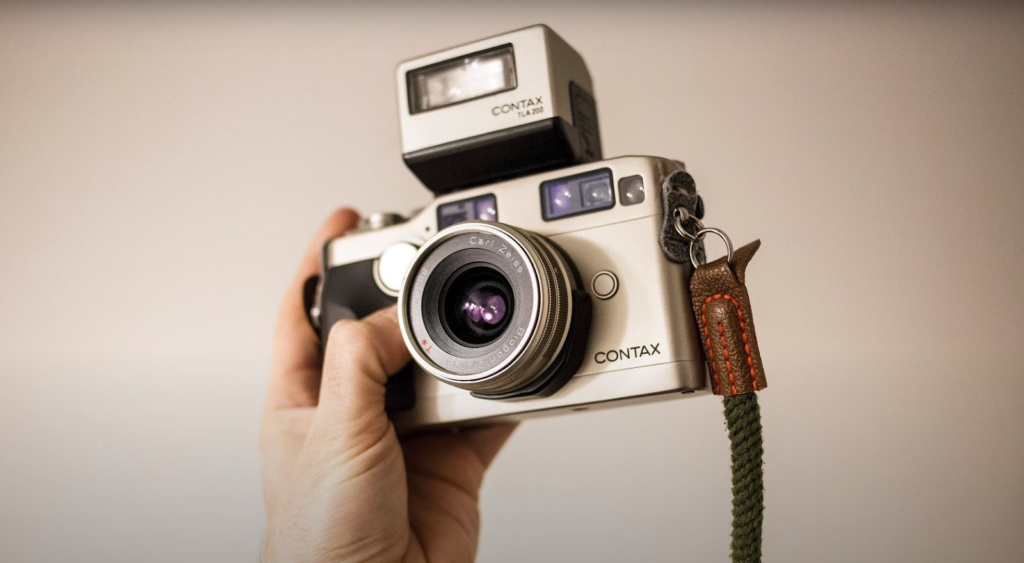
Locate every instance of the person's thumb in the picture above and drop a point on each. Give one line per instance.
(359, 358)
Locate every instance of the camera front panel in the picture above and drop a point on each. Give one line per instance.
(638, 346)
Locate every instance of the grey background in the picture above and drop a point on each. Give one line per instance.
(161, 169)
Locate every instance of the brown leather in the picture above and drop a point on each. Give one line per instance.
(726, 324)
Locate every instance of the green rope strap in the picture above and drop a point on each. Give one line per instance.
(743, 418)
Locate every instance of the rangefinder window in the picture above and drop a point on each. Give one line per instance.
(575, 195)
(461, 79)
(480, 208)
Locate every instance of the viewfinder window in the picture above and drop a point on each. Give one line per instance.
(462, 79)
(574, 195)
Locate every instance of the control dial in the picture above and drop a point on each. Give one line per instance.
(379, 220)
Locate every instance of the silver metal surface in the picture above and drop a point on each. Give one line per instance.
(700, 236)
(680, 217)
(379, 220)
(646, 384)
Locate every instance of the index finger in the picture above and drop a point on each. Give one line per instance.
(295, 372)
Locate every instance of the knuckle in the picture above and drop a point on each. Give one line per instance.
(351, 335)
(372, 343)
(385, 320)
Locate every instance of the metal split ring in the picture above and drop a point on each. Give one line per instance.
(681, 216)
(699, 236)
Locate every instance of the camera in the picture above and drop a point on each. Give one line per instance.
(537, 281)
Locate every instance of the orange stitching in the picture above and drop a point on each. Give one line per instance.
(711, 354)
(743, 332)
(728, 364)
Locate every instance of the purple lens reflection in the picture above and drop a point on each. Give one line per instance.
(485, 209)
(486, 307)
(560, 197)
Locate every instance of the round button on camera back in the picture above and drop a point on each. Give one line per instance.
(604, 285)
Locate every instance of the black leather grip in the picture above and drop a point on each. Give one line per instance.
(349, 292)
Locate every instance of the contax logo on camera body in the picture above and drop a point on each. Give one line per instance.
(609, 356)
(522, 108)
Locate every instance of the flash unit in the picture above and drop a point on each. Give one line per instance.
(495, 109)
(462, 79)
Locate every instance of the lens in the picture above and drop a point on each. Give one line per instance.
(487, 307)
(596, 193)
(561, 200)
(477, 305)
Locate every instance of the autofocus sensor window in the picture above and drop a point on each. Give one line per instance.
(477, 304)
(574, 195)
(631, 190)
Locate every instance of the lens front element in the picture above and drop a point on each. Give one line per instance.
(486, 307)
(477, 305)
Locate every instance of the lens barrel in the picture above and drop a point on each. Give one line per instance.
(487, 307)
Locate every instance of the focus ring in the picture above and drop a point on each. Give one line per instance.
(550, 333)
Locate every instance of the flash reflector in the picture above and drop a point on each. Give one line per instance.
(462, 79)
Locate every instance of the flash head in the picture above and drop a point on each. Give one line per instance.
(462, 79)
(499, 108)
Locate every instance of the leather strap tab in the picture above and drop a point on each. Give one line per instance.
(678, 190)
(726, 324)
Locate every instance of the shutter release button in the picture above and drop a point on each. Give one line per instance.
(604, 285)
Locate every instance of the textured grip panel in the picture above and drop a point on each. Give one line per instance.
(349, 292)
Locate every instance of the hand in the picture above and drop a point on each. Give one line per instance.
(338, 483)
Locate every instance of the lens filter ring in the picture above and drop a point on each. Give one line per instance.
(486, 307)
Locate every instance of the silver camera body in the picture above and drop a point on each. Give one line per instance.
(547, 292)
